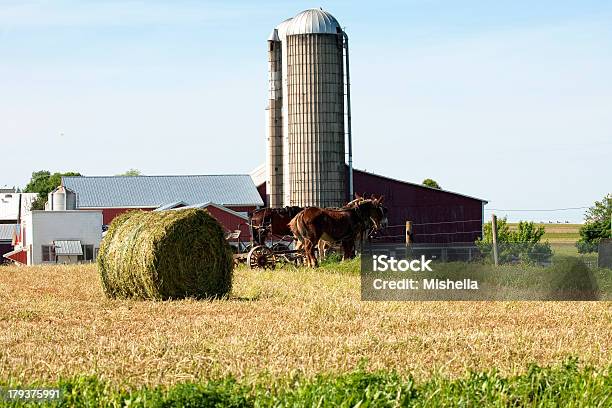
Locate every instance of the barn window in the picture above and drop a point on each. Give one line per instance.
(48, 253)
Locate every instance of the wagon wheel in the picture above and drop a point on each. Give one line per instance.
(261, 256)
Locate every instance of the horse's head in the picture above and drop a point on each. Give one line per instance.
(373, 211)
(358, 199)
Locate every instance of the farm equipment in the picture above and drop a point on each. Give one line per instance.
(270, 242)
(271, 239)
(266, 257)
(268, 254)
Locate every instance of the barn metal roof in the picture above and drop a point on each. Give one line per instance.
(7, 231)
(170, 206)
(313, 21)
(242, 215)
(421, 185)
(68, 248)
(153, 191)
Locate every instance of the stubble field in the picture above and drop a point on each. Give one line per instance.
(56, 323)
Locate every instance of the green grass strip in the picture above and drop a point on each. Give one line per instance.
(567, 385)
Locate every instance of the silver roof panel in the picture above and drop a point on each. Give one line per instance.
(7, 231)
(154, 191)
(68, 248)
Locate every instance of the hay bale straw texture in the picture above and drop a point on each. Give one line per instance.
(165, 255)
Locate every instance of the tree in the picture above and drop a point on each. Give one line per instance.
(596, 225)
(431, 183)
(131, 172)
(38, 181)
(522, 244)
(43, 182)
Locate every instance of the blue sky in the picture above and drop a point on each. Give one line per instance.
(510, 101)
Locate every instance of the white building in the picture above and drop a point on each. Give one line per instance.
(58, 237)
(15, 206)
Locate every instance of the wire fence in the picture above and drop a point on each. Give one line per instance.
(434, 223)
(537, 209)
(424, 230)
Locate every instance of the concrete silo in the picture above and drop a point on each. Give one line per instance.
(312, 70)
(274, 120)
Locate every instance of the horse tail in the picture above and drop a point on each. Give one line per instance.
(296, 225)
(293, 226)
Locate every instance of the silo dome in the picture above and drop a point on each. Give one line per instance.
(313, 21)
(282, 28)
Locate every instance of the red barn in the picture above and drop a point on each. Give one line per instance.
(437, 216)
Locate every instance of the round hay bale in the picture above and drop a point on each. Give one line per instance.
(165, 255)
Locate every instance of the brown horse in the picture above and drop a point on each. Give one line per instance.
(337, 225)
(272, 221)
(275, 221)
(324, 246)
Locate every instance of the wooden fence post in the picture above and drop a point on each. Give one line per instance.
(408, 233)
(494, 233)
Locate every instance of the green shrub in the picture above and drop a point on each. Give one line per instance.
(596, 226)
(522, 245)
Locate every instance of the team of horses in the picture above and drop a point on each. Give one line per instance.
(314, 227)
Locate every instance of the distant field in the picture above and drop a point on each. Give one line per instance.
(562, 239)
(557, 233)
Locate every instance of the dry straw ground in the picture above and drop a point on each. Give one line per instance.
(55, 321)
